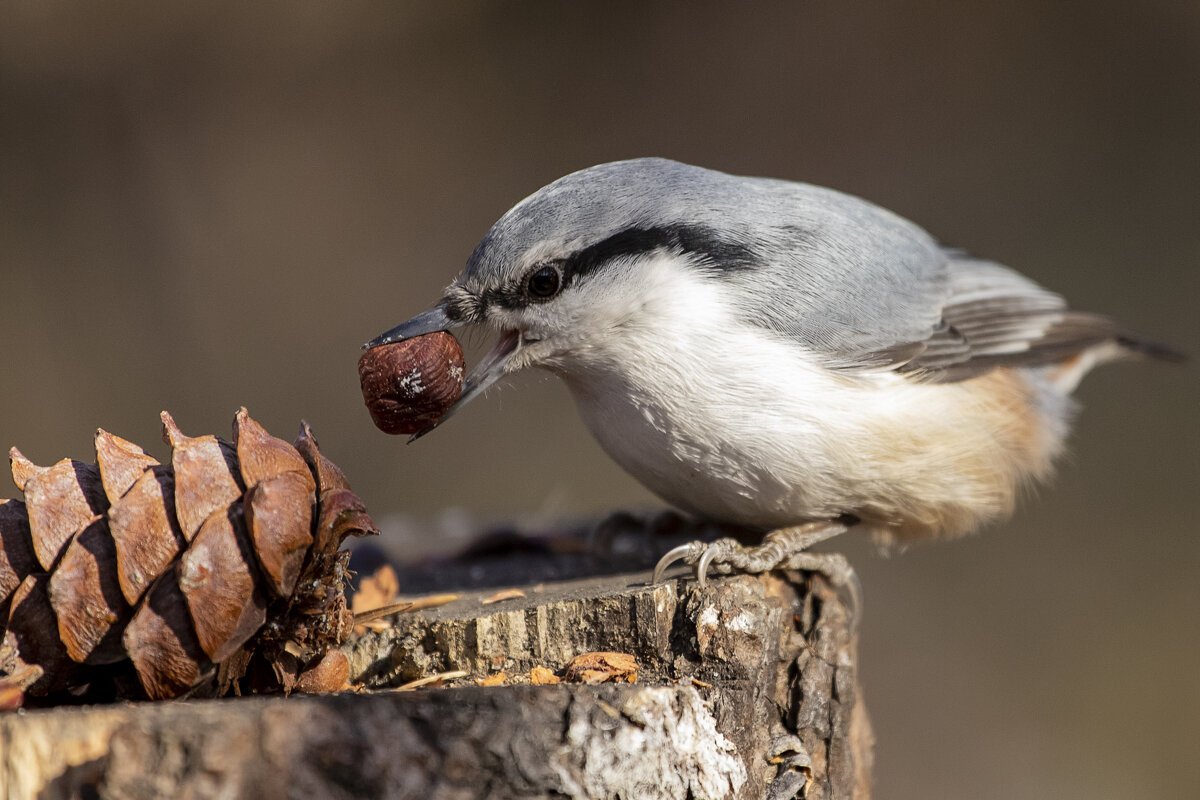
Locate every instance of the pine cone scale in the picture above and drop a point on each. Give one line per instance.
(144, 529)
(262, 456)
(120, 462)
(279, 512)
(17, 558)
(32, 632)
(86, 597)
(162, 643)
(205, 482)
(217, 578)
(60, 500)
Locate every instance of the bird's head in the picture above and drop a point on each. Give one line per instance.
(566, 271)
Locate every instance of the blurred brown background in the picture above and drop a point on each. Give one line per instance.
(214, 205)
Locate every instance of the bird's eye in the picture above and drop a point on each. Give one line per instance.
(544, 283)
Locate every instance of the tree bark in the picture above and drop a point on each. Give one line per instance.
(745, 689)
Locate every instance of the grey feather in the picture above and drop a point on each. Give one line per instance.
(860, 286)
(838, 273)
(995, 317)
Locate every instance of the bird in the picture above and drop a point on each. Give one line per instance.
(779, 356)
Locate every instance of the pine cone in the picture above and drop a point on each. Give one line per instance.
(219, 571)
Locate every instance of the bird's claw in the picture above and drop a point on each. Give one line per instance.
(706, 558)
(702, 555)
(783, 548)
(687, 553)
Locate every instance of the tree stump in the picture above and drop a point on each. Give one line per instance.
(744, 689)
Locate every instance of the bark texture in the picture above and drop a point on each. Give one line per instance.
(745, 689)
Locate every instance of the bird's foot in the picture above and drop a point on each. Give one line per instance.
(783, 548)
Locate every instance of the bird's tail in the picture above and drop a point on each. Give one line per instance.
(1135, 345)
(1066, 374)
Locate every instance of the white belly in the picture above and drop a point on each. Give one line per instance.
(725, 419)
(711, 442)
(758, 433)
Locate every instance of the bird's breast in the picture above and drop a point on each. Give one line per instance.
(727, 429)
(755, 431)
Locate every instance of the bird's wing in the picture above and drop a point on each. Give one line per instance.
(870, 291)
(843, 277)
(867, 290)
(995, 317)
(990, 317)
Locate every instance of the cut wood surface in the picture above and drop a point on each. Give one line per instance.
(744, 689)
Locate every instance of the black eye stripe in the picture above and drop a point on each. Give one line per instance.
(720, 254)
(717, 256)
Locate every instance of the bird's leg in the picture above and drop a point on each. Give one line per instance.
(782, 548)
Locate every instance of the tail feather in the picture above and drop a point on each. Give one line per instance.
(1066, 374)
(1139, 345)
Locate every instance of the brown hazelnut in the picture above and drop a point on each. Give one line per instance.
(409, 385)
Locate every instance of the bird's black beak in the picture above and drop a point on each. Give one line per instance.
(434, 319)
(483, 375)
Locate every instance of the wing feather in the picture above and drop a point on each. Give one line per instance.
(995, 317)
